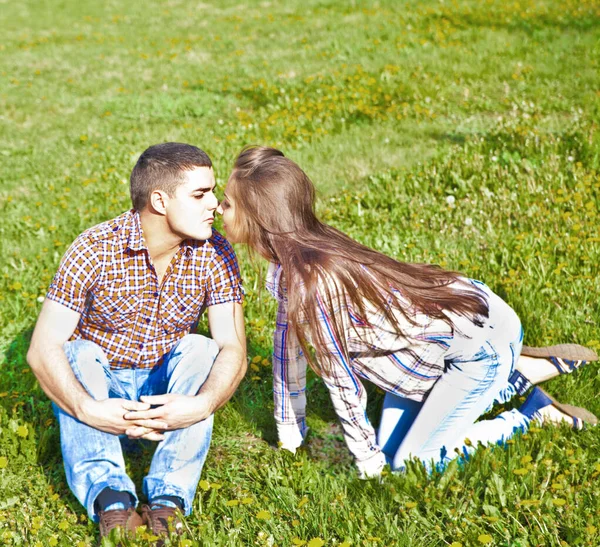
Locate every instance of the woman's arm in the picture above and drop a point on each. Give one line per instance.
(289, 383)
(347, 392)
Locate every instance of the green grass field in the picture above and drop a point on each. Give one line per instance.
(391, 107)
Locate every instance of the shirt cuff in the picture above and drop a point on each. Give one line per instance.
(372, 467)
(291, 436)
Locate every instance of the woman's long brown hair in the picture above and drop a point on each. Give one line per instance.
(274, 202)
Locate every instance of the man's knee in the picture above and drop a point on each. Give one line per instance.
(194, 355)
(198, 350)
(89, 364)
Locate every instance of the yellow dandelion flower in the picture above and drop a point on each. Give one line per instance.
(522, 471)
(205, 485)
(485, 538)
(247, 501)
(232, 503)
(298, 541)
(303, 502)
(316, 542)
(456, 544)
(263, 515)
(559, 502)
(256, 359)
(53, 542)
(3, 462)
(295, 522)
(411, 504)
(64, 525)
(22, 431)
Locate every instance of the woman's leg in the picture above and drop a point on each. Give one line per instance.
(397, 415)
(477, 376)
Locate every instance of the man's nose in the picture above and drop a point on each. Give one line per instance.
(214, 203)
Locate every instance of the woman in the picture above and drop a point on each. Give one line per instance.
(443, 347)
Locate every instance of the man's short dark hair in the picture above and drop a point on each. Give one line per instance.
(160, 167)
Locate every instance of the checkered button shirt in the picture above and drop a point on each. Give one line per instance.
(107, 276)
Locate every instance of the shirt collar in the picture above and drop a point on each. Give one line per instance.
(273, 281)
(136, 237)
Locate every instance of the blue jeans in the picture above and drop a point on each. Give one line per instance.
(479, 363)
(93, 459)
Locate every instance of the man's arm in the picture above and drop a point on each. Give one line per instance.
(51, 367)
(226, 322)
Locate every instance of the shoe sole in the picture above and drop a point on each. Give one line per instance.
(572, 352)
(574, 411)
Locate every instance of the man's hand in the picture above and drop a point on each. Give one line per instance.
(176, 411)
(109, 416)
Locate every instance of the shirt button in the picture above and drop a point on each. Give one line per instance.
(182, 308)
(134, 366)
(147, 320)
(141, 346)
(155, 294)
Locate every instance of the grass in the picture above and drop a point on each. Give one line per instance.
(391, 108)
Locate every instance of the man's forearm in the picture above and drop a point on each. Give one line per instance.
(226, 374)
(53, 371)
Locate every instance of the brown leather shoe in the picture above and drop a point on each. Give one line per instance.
(127, 519)
(162, 520)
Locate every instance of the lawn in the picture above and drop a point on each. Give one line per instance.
(462, 133)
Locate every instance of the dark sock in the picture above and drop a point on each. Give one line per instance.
(110, 499)
(168, 501)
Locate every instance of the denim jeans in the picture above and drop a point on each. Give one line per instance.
(93, 459)
(478, 365)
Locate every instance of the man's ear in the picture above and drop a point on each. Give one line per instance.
(159, 201)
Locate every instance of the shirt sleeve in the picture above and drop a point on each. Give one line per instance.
(75, 276)
(289, 383)
(347, 392)
(224, 281)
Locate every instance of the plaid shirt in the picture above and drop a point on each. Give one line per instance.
(410, 366)
(107, 276)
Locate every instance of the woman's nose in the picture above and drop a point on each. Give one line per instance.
(219, 209)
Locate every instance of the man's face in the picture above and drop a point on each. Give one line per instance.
(190, 212)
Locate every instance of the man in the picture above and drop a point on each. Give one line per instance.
(112, 346)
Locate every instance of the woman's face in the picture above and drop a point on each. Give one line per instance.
(227, 209)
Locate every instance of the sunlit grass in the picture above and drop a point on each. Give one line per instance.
(460, 133)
